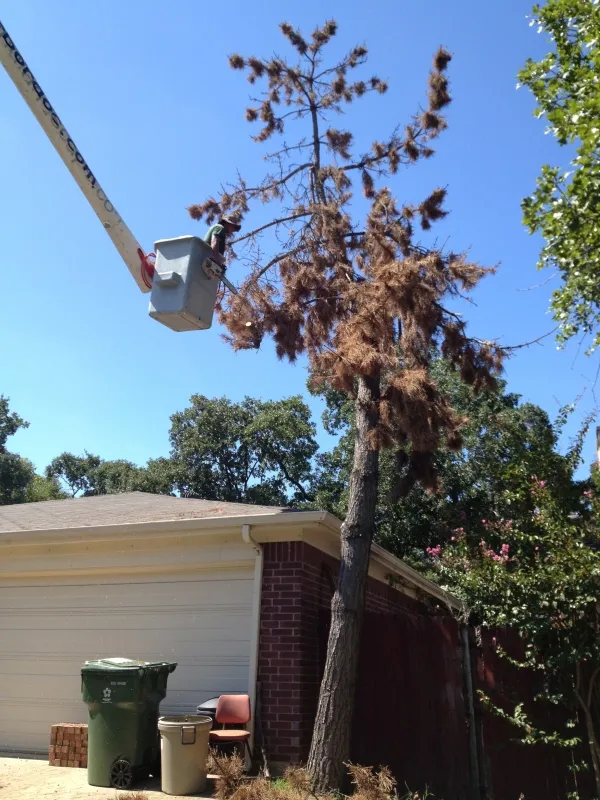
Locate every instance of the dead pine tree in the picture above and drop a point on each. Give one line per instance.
(358, 297)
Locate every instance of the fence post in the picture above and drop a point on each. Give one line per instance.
(469, 695)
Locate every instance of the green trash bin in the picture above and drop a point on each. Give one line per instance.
(123, 697)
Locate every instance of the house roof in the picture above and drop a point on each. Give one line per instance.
(132, 513)
(120, 509)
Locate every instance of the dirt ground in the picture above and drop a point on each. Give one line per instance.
(30, 779)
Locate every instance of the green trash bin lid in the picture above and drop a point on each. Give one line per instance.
(126, 665)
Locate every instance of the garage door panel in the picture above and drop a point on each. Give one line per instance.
(57, 688)
(37, 662)
(48, 630)
(24, 721)
(204, 593)
(219, 626)
(88, 643)
(66, 685)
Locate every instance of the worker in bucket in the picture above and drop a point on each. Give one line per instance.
(217, 236)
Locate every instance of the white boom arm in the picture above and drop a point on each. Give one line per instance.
(125, 242)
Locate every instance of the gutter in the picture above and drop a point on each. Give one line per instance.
(186, 525)
(255, 622)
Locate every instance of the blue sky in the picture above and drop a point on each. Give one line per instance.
(145, 90)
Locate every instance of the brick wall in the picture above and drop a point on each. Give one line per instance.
(298, 583)
(279, 651)
(409, 708)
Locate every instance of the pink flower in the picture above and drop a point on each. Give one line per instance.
(434, 552)
(587, 494)
(536, 549)
(483, 522)
(453, 538)
(509, 523)
(496, 557)
(504, 549)
(542, 484)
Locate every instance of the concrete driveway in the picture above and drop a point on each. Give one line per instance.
(30, 779)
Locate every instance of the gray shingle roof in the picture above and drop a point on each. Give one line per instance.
(118, 509)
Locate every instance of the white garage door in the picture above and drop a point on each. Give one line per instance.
(48, 629)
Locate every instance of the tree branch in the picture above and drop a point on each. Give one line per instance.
(450, 313)
(271, 184)
(510, 348)
(292, 481)
(271, 224)
(276, 260)
(591, 685)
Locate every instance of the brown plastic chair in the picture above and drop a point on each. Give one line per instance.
(232, 709)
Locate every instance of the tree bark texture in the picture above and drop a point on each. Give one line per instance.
(330, 747)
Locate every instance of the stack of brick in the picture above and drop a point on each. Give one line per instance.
(68, 745)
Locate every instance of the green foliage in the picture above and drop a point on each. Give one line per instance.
(42, 488)
(254, 451)
(530, 734)
(565, 207)
(504, 442)
(89, 475)
(18, 480)
(10, 422)
(539, 574)
(157, 477)
(251, 452)
(16, 473)
(75, 472)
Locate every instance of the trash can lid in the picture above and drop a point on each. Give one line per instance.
(177, 720)
(125, 664)
(209, 704)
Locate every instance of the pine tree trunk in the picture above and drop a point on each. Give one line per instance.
(330, 747)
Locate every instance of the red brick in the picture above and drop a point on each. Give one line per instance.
(296, 592)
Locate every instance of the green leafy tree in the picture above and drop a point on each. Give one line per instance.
(89, 475)
(74, 472)
(252, 452)
(159, 476)
(539, 575)
(504, 441)
(113, 477)
(10, 422)
(565, 207)
(43, 488)
(16, 473)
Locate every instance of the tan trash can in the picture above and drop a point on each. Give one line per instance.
(183, 753)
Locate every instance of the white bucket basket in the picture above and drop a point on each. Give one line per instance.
(183, 295)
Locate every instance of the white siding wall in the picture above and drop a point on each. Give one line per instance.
(199, 618)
